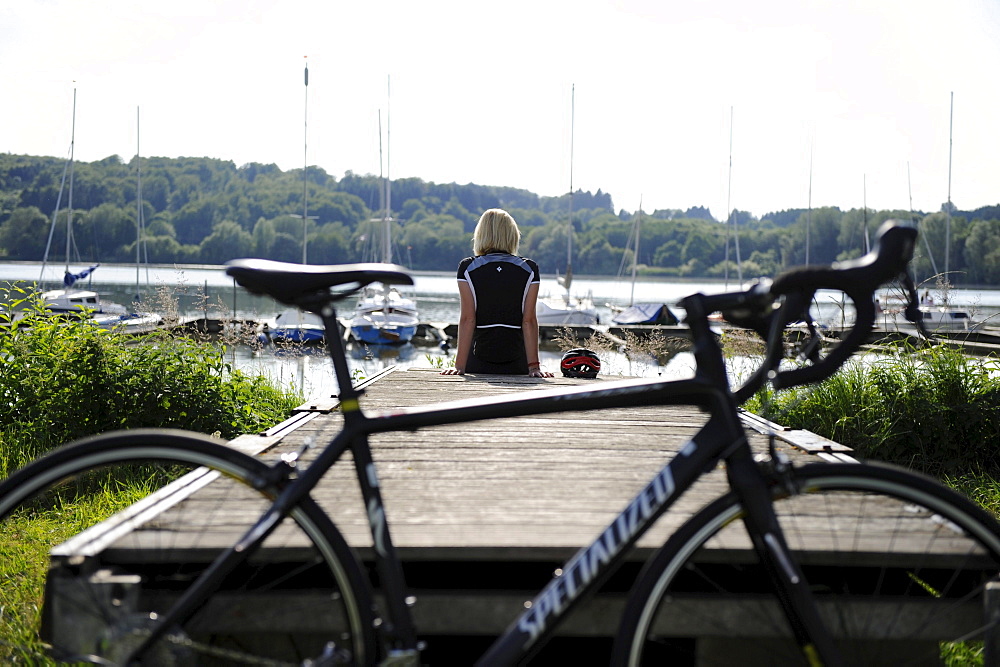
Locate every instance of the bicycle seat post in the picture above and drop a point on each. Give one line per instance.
(338, 354)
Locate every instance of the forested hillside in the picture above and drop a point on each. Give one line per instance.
(202, 210)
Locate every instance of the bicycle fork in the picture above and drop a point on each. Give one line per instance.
(789, 583)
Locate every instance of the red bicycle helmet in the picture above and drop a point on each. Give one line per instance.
(580, 363)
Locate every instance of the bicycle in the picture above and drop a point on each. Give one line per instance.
(787, 580)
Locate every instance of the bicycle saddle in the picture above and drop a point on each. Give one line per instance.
(291, 283)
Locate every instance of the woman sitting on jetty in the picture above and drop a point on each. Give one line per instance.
(497, 328)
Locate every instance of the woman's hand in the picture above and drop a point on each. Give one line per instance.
(539, 373)
(453, 371)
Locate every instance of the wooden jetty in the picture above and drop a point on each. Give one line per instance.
(483, 512)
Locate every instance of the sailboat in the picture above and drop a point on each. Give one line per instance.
(85, 302)
(554, 311)
(383, 315)
(641, 313)
(293, 325)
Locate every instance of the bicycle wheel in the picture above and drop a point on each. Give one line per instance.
(898, 564)
(92, 599)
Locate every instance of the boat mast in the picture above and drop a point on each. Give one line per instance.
(387, 241)
(947, 233)
(62, 185)
(69, 206)
(809, 212)
(569, 228)
(635, 257)
(381, 171)
(305, 170)
(864, 202)
(731, 222)
(141, 251)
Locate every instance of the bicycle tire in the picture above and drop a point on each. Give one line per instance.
(881, 586)
(301, 596)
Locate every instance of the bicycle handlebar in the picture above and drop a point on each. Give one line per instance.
(858, 279)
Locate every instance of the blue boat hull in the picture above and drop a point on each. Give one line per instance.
(296, 335)
(383, 335)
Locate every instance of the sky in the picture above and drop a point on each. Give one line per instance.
(757, 106)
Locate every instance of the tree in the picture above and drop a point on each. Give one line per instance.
(105, 232)
(263, 237)
(166, 249)
(286, 248)
(160, 224)
(195, 220)
(435, 241)
(982, 252)
(24, 234)
(699, 212)
(184, 199)
(599, 257)
(330, 244)
(669, 255)
(699, 246)
(456, 210)
(227, 241)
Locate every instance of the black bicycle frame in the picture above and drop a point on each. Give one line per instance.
(721, 438)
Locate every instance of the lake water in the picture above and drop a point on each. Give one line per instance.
(207, 291)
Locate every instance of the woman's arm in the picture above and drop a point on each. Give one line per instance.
(529, 329)
(466, 329)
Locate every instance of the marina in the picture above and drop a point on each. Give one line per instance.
(203, 297)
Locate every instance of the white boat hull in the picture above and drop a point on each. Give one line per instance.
(87, 303)
(936, 318)
(558, 312)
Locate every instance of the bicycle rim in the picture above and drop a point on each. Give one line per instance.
(300, 596)
(898, 565)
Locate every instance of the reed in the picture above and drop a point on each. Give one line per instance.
(932, 409)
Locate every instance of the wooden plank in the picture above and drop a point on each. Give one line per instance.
(538, 487)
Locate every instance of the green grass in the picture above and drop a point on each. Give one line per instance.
(24, 546)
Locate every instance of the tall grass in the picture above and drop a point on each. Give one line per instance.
(61, 378)
(932, 409)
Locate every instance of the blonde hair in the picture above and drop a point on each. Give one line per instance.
(496, 231)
